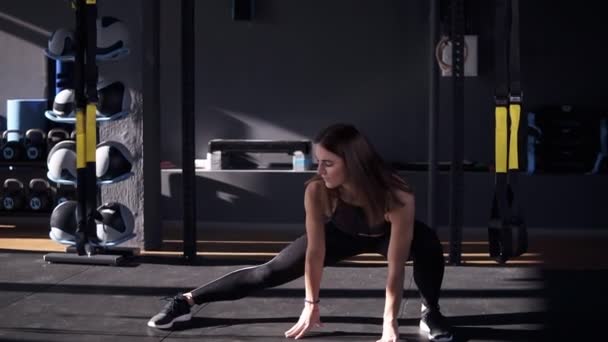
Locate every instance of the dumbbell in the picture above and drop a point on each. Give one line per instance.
(14, 195)
(35, 146)
(39, 195)
(65, 192)
(55, 136)
(11, 150)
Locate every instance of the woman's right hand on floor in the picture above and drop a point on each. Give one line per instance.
(308, 319)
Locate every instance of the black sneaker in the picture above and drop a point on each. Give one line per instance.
(435, 326)
(177, 310)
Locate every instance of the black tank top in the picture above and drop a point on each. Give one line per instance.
(351, 219)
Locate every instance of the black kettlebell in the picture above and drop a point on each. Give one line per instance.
(65, 192)
(35, 147)
(14, 195)
(12, 150)
(55, 136)
(39, 196)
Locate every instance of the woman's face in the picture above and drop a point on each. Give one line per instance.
(331, 167)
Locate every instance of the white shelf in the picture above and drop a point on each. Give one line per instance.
(71, 118)
(110, 56)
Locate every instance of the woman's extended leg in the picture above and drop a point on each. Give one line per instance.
(288, 265)
(285, 267)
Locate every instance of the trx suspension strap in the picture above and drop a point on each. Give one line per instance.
(85, 79)
(506, 230)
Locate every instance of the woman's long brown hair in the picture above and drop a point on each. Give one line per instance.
(365, 168)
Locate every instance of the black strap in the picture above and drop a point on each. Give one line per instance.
(85, 76)
(515, 97)
(507, 231)
(500, 54)
(515, 90)
(80, 100)
(500, 208)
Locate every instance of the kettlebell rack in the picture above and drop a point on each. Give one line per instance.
(87, 248)
(24, 190)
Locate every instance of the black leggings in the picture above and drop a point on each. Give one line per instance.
(426, 253)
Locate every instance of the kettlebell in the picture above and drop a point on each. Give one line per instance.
(39, 196)
(14, 195)
(73, 135)
(64, 193)
(35, 147)
(12, 150)
(55, 136)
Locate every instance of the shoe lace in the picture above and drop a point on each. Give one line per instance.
(173, 300)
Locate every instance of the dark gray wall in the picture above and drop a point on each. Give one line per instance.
(302, 65)
(299, 65)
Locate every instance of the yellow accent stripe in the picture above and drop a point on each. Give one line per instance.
(81, 161)
(501, 139)
(91, 132)
(515, 114)
(91, 2)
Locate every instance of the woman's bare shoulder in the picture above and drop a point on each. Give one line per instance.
(402, 198)
(316, 197)
(316, 190)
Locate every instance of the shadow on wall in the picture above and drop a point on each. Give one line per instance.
(246, 200)
(223, 127)
(240, 204)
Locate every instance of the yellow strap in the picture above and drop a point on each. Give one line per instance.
(501, 139)
(514, 113)
(91, 132)
(81, 161)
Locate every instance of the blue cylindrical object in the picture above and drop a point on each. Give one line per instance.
(23, 114)
(63, 76)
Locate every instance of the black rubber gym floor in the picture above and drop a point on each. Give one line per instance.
(63, 302)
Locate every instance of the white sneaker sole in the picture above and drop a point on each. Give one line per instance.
(182, 318)
(427, 331)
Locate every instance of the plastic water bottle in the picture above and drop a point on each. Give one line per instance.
(300, 162)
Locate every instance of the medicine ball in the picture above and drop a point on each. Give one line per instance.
(63, 223)
(61, 161)
(61, 42)
(116, 223)
(112, 98)
(112, 34)
(63, 105)
(113, 161)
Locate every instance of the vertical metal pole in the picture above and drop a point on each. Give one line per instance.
(188, 124)
(152, 132)
(456, 171)
(433, 112)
